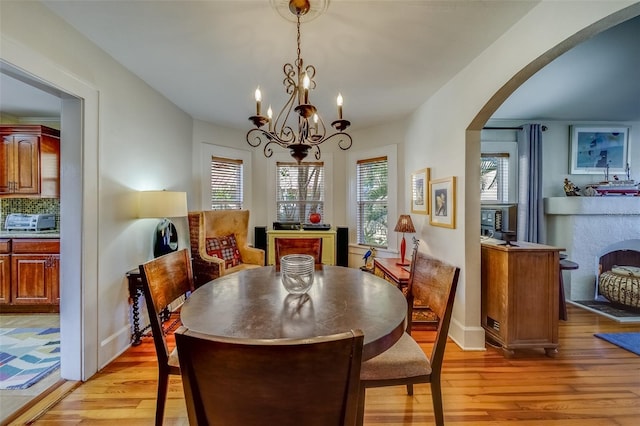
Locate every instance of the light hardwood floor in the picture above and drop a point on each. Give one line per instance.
(590, 382)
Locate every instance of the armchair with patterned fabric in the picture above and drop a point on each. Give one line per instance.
(219, 244)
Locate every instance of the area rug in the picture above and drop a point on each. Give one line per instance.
(27, 355)
(628, 341)
(611, 311)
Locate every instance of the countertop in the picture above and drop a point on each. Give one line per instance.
(30, 234)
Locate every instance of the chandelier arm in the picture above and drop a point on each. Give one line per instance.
(280, 126)
(286, 136)
(345, 141)
(289, 81)
(256, 136)
(267, 151)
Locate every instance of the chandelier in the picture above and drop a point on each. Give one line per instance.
(298, 126)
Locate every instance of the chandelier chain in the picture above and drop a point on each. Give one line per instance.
(298, 41)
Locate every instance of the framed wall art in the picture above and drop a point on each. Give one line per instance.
(419, 191)
(594, 148)
(442, 195)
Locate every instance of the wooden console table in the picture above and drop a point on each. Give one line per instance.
(328, 243)
(389, 269)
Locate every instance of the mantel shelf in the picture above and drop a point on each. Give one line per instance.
(607, 205)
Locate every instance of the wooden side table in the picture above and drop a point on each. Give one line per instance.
(389, 269)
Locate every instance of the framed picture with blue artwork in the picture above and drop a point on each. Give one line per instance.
(599, 150)
(419, 191)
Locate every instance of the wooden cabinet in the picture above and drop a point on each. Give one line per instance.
(328, 243)
(31, 276)
(29, 161)
(520, 296)
(5, 270)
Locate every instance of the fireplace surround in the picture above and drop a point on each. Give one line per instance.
(586, 227)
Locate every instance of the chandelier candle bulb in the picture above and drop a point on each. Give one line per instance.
(305, 85)
(258, 100)
(315, 122)
(339, 102)
(270, 116)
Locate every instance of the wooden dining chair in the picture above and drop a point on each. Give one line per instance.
(311, 381)
(165, 280)
(433, 282)
(310, 246)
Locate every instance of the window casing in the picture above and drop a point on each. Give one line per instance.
(299, 191)
(372, 201)
(226, 183)
(494, 177)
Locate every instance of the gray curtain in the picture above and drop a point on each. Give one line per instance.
(530, 203)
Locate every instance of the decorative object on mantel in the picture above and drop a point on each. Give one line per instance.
(311, 130)
(570, 189)
(618, 187)
(613, 188)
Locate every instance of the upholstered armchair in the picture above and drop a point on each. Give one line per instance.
(219, 244)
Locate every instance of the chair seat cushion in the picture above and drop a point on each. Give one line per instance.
(173, 358)
(404, 359)
(225, 248)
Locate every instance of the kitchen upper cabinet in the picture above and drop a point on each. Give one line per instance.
(29, 161)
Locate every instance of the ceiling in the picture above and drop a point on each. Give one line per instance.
(385, 57)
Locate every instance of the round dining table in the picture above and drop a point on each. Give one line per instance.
(253, 304)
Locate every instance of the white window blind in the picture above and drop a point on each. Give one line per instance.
(300, 191)
(372, 184)
(226, 183)
(494, 170)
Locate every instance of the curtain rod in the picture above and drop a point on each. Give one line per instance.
(544, 128)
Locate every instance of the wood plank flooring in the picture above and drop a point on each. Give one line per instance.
(590, 382)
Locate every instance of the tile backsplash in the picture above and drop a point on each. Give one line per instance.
(29, 206)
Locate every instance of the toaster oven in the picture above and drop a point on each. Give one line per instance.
(29, 222)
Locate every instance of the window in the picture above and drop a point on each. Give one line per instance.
(226, 183)
(299, 191)
(494, 177)
(371, 197)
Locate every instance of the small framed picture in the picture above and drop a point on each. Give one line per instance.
(599, 150)
(419, 191)
(442, 193)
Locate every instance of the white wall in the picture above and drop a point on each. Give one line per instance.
(143, 142)
(438, 136)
